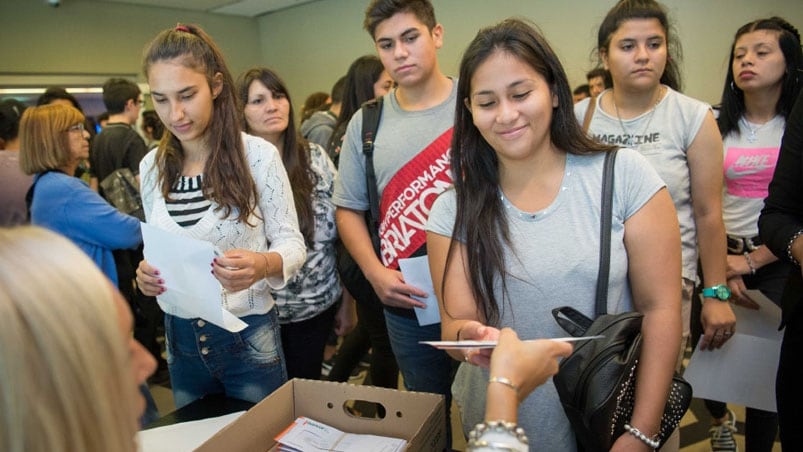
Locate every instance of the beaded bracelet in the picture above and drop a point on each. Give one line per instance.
(750, 263)
(504, 381)
(652, 442)
(789, 247)
(507, 428)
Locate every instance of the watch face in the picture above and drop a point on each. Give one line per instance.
(722, 292)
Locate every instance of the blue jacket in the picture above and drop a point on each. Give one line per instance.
(66, 205)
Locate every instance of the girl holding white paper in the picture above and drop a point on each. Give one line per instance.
(207, 180)
(518, 235)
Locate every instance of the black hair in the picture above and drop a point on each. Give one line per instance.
(56, 92)
(358, 88)
(117, 92)
(381, 10)
(151, 121)
(583, 89)
(600, 72)
(337, 90)
(10, 113)
(732, 107)
(626, 10)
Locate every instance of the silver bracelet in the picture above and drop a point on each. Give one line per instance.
(474, 441)
(789, 247)
(652, 442)
(750, 263)
(504, 381)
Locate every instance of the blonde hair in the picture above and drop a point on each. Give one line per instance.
(64, 363)
(44, 141)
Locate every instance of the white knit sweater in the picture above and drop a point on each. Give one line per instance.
(276, 231)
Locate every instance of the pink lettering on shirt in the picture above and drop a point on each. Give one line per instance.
(748, 171)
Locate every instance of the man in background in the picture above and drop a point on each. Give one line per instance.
(319, 127)
(119, 146)
(598, 81)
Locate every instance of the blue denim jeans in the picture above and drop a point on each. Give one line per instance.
(151, 413)
(205, 359)
(424, 368)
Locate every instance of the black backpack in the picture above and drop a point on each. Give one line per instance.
(350, 274)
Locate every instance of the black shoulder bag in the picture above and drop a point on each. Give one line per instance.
(597, 382)
(350, 274)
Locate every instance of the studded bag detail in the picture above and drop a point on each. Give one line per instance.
(597, 382)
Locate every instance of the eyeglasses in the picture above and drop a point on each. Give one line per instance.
(77, 128)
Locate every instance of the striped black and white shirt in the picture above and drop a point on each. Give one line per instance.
(187, 204)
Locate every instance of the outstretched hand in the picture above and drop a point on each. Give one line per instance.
(528, 364)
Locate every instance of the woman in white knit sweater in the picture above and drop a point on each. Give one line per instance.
(207, 180)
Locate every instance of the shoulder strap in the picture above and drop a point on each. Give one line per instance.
(606, 215)
(29, 193)
(592, 105)
(371, 114)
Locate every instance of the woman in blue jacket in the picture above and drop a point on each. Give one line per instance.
(52, 142)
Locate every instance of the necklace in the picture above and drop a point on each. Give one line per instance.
(629, 142)
(751, 136)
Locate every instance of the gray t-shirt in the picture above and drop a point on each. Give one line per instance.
(663, 137)
(401, 136)
(555, 264)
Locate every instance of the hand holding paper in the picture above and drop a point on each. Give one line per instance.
(239, 269)
(455, 345)
(416, 273)
(184, 265)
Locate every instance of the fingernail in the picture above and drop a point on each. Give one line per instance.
(156, 273)
(162, 290)
(161, 281)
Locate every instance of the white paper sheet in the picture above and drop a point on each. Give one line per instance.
(184, 265)
(454, 345)
(183, 437)
(743, 370)
(416, 273)
(308, 435)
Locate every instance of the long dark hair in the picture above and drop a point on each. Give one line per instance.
(294, 151)
(480, 218)
(357, 89)
(733, 98)
(644, 9)
(227, 176)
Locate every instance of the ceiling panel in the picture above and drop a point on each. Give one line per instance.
(248, 8)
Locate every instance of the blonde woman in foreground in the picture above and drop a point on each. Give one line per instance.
(69, 364)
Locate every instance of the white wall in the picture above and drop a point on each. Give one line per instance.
(82, 38)
(313, 44)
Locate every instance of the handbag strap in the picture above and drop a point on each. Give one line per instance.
(606, 215)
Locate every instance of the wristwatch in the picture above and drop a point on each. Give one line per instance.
(720, 292)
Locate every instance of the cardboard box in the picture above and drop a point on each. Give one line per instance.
(415, 416)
